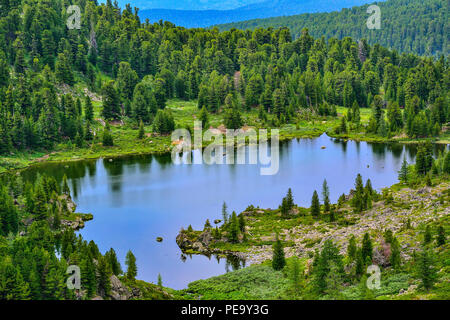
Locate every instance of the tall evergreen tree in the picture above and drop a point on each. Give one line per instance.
(315, 205)
(278, 259)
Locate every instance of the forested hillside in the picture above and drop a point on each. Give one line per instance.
(50, 73)
(415, 26)
(70, 89)
(193, 17)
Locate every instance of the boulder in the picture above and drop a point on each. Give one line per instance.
(118, 290)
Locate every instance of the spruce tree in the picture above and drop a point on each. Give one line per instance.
(352, 248)
(315, 205)
(426, 268)
(326, 196)
(88, 109)
(289, 200)
(130, 261)
(204, 117)
(358, 201)
(278, 259)
(160, 285)
(403, 173)
(113, 262)
(241, 223)
(104, 273)
(366, 247)
(224, 213)
(234, 228)
(395, 258)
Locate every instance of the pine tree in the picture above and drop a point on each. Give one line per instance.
(366, 247)
(356, 118)
(88, 276)
(113, 262)
(395, 258)
(130, 261)
(358, 201)
(315, 205)
(421, 166)
(242, 223)
(234, 228)
(111, 101)
(40, 204)
(224, 213)
(104, 273)
(160, 281)
(329, 269)
(88, 109)
(289, 200)
(326, 196)
(352, 248)
(278, 259)
(426, 268)
(204, 118)
(403, 173)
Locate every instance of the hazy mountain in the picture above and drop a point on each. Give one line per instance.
(203, 18)
(187, 4)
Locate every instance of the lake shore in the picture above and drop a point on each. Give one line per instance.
(160, 145)
(302, 235)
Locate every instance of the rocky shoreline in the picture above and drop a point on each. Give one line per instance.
(409, 208)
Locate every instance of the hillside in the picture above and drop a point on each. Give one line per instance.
(407, 25)
(399, 229)
(118, 86)
(193, 18)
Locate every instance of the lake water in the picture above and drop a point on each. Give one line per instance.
(136, 199)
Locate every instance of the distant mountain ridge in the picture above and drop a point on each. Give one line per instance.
(273, 8)
(186, 4)
(417, 26)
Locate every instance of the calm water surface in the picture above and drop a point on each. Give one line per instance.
(136, 199)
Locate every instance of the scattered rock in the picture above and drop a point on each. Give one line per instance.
(118, 290)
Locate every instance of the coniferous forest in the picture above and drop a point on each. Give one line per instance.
(115, 86)
(407, 25)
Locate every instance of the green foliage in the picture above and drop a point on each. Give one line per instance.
(315, 205)
(396, 17)
(164, 122)
(403, 173)
(130, 261)
(278, 260)
(328, 269)
(141, 132)
(107, 137)
(426, 268)
(367, 248)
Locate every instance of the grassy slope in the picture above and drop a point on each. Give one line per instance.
(302, 235)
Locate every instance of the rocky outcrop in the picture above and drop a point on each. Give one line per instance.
(199, 242)
(118, 290)
(194, 241)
